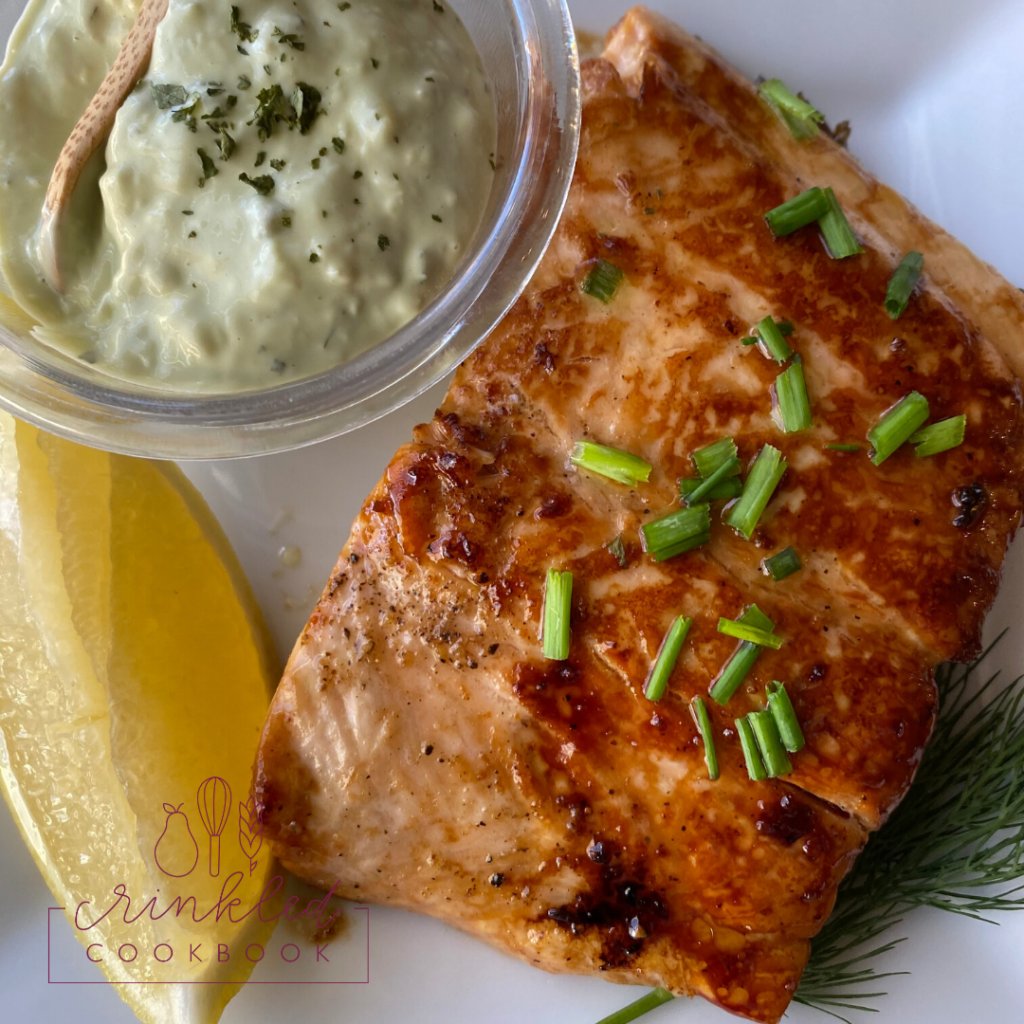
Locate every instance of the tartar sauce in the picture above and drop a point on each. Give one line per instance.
(291, 182)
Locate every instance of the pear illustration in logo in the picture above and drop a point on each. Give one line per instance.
(176, 851)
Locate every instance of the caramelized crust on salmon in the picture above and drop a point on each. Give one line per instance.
(421, 752)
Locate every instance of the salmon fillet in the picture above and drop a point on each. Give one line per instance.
(421, 752)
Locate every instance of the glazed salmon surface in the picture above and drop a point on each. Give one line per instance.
(421, 751)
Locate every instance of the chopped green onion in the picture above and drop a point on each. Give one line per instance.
(602, 281)
(850, 448)
(700, 715)
(769, 743)
(744, 631)
(731, 487)
(786, 722)
(903, 420)
(901, 284)
(798, 212)
(677, 532)
(800, 117)
(637, 1008)
(742, 660)
(610, 462)
(939, 437)
(836, 231)
(668, 654)
(557, 605)
(768, 469)
(790, 392)
(786, 327)
(703, 492)
(773, 340)
(618, 550)
(781, 565)
(708, 459)
(755, 767)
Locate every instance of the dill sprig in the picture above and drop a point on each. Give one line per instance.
(956, 843)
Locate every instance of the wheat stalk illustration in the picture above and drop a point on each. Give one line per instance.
(250, 831)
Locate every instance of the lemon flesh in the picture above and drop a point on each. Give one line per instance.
(134, 667)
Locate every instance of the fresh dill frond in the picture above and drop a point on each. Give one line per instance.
(955, 843)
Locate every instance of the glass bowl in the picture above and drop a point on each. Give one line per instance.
(529, 52)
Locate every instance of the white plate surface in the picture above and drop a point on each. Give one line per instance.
(935, 95)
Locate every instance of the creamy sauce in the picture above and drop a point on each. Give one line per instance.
(361, 196)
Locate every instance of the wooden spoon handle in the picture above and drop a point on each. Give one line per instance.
(92, 129)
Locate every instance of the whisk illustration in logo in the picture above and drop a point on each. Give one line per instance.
(211, 881)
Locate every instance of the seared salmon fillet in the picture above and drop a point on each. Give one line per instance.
(421, 751)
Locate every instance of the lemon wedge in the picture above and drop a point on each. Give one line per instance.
(135, 673)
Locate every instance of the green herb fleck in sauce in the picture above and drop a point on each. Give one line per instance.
(264, 184)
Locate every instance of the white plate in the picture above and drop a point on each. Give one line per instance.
(934, 92)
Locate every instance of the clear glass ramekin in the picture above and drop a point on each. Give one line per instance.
(529, 52)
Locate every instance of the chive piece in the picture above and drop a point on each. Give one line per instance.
(707, 460)
(732, 487)
(677, 532)
(557, 605)
(742, 660)
(637, 1008)
(790, 392)
(901, 284)
(755, 768)
(753, 635)
(618, 550)
(782, 564)
(851, 449)
(800, 117)
(769, 743)
(939, 437)
(610, 462)
(785, 327)
(798, 212)
(786, 721)
(836, 231)
(602, 280)
(902, 420)
(706, 488)
(668, 654)
(764, 477)
(700, 715)
(773, 341)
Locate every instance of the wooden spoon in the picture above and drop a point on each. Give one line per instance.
(92, 129)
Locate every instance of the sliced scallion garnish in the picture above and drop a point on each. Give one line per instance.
(769, 743)
(799, 116)
(898, 425)
(752, 634)
(557, 606)
(700, 715)
(781, 707)
(794, 405)
(836, 231)
(731, 487)
(773, 340)
(901, 284)
(781, 565)
(742, 660)
(939, 437)
(610, 462)
(798, 212)
(706, 488)
(602, 281)
(709, 458)
(850, 448)
(755, 767)
(668, 654)
(764, 476)
(677, 532)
